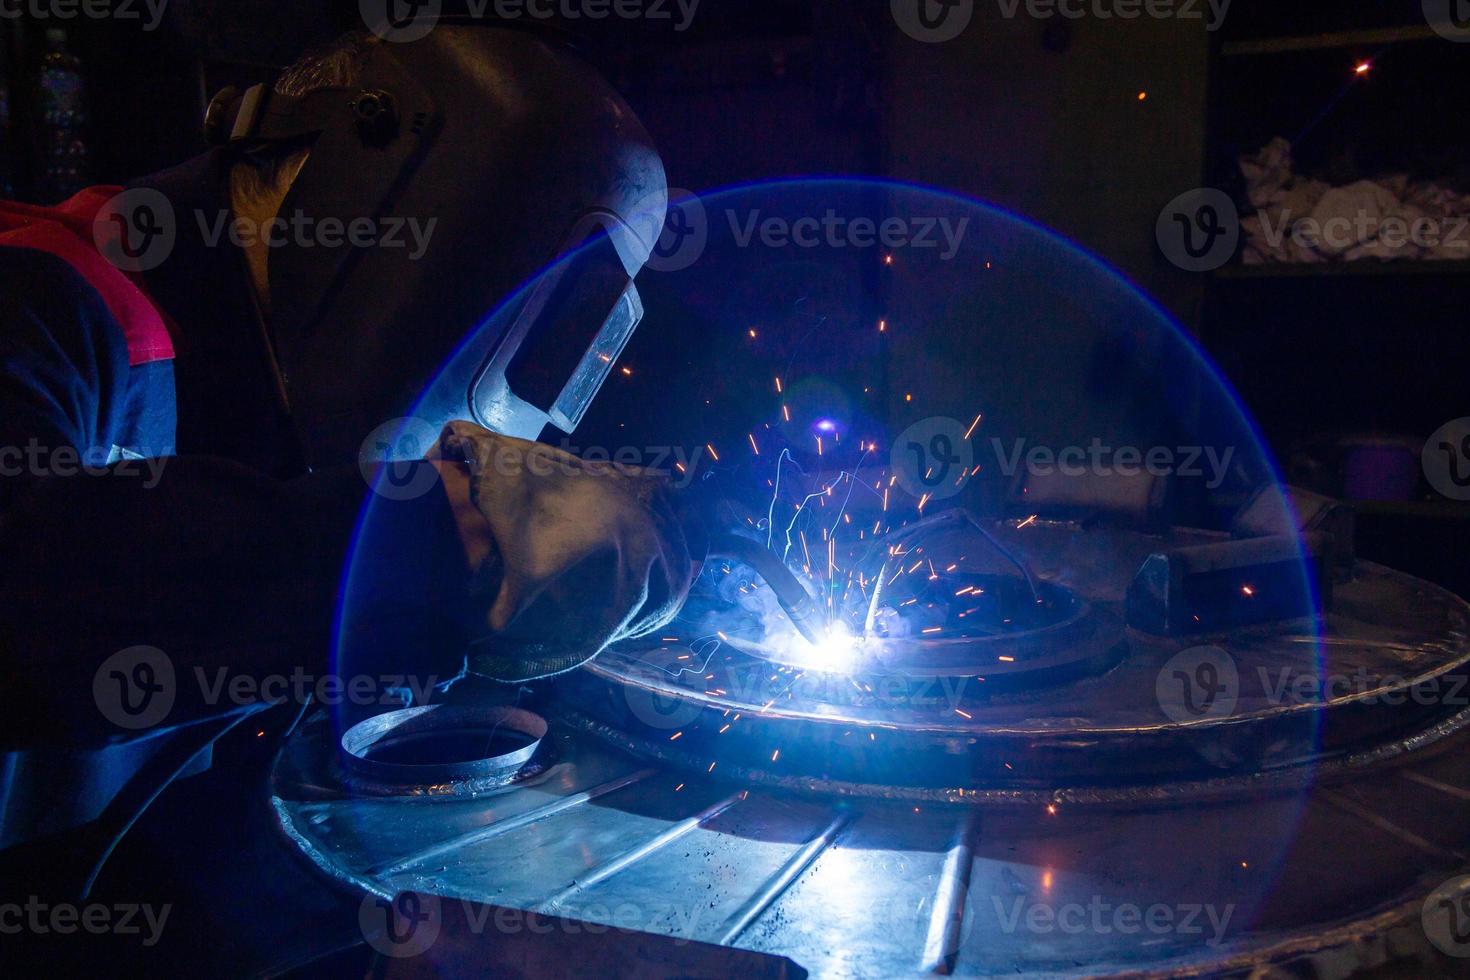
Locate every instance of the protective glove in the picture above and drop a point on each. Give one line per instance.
(581, 554)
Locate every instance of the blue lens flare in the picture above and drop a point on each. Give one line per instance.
(883, 381)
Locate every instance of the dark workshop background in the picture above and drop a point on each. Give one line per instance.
(1041, 117)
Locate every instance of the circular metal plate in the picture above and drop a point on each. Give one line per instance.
(1386, 662)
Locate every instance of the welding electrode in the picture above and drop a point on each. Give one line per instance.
(699, 511)
(805, 615)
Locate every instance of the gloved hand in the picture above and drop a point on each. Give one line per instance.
(578, 556)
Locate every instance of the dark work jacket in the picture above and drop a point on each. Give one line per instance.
(216, 548)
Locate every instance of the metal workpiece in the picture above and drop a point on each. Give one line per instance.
(1288, 794)
(441, 749)
(1121, 715)
(873, 888)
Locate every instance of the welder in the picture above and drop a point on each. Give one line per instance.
(195, 412)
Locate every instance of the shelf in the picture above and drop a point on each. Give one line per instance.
(1322, 42)
(1437, 510)
(1340, 270)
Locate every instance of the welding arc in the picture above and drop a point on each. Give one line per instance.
(805, 614)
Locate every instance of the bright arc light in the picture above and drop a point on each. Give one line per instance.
(837, 650)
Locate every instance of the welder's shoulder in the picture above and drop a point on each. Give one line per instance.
(40, 285)
(64, 363)
(53, 321)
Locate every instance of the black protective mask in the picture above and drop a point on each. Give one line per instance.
(507, 151)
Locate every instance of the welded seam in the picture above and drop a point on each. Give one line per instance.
(1381, 822)
(1434, 784)
(942, 946)
(502, 827)
(776, 885)
(628, 858)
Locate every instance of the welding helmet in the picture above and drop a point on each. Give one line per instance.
(477, 155)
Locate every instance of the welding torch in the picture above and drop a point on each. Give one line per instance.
(697, 515)
(805, 614)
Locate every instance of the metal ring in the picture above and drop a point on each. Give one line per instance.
(438, 744)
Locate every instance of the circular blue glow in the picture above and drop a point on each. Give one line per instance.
(958, 309)
(881, 307)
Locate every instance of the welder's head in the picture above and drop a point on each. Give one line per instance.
(447, 172)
